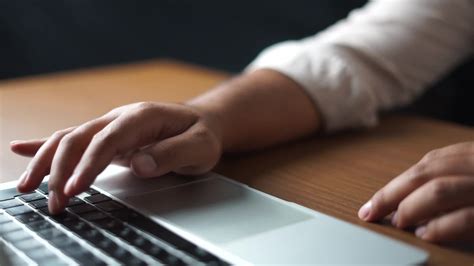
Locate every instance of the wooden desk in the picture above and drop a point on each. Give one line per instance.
(334, 175)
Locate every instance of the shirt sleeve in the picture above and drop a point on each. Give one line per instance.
(381, 56)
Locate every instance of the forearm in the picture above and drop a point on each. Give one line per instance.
(259, 109)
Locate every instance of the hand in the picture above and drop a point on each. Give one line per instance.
(152, 138)
(436, 195)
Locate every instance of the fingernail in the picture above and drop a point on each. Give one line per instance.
(365, 210)
(53, 200)
(13, 142)
(144, 164)
(395, 219)
(420, 231)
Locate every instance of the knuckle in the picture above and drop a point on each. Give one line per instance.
(69, 140)
(429, 156)
(144, 105)
(105, 136)
(59, 134)
(208, 138)
(467, 219)
(202, 133)
(142, 109)
(418, 173)
(440, 189)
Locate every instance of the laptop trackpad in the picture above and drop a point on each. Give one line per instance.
(218, 210)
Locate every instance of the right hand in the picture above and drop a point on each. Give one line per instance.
(152, 138)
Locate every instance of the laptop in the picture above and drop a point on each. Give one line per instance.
(182, 220)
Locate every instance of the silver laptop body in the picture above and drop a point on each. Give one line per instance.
(244, 226)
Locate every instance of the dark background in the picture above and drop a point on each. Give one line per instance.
(45, 36)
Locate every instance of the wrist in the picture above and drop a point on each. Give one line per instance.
(211, 119)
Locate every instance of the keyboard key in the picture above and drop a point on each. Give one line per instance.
(4, 218)
(9, 227)
(42, 256)
(106, 245)
(77, 226)
(39, 203)
(43, 188)
(173, 260)
(44, 211)
(8, 193)
(141, 242)
(27, 244)
(64, 217)
(77, 252)
(97, 198)
(9, 203)
(29, 217)
(62, 241)
(92, 235)
(126, 257)
(16, 236)
(54, 260)
(91, 259)
(40, 225)
(108, 223)
(82, 208)
(18, 210)
(93, 216)
(51, 233)
(109, 206)
(74, 201)
(145, 224)
(132, 260)
(156, 251)
(126, 233)
(13, 257)
(91, 191)
(31, 197)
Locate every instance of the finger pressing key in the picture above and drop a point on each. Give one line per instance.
(40, 165)
(68, 154)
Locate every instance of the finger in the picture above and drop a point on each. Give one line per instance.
(386, 200)
(435, 197)
(132, 130)
(128, 132)
(457, 226)
(461, 149)
(193, 152)
(40, 165)
(27, 147)
(68, 153)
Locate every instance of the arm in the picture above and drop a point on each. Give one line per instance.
(382, 56)
(250, 111)
(259, 109)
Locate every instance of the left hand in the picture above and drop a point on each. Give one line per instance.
(436, 196)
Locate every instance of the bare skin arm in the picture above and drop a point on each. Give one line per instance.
(248, 112)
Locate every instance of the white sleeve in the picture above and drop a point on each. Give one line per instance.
(383, 55)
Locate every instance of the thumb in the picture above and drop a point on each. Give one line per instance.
(187, 153)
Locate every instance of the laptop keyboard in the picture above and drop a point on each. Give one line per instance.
(94, 230)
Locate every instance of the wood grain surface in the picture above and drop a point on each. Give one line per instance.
(332, 174)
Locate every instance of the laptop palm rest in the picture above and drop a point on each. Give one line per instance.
(217, 210)
(253, 225)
